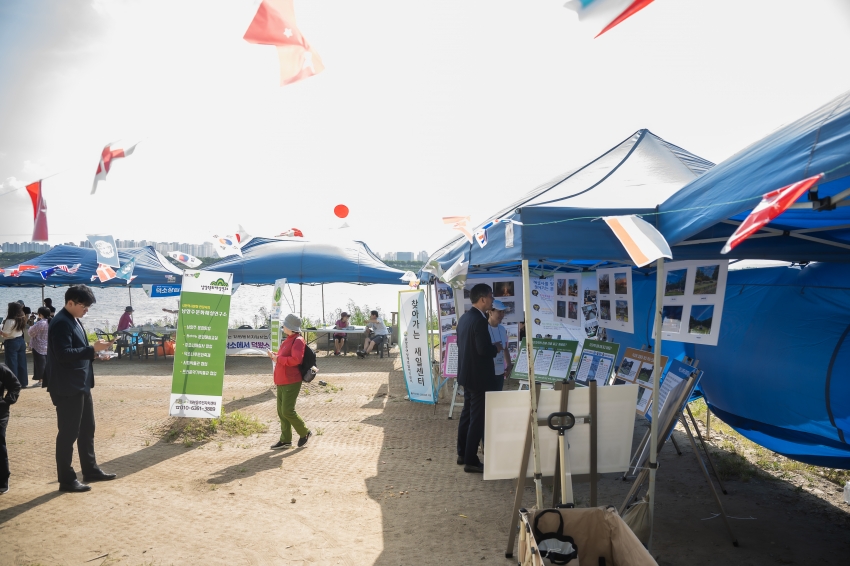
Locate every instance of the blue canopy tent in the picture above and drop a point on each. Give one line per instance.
(557, 228)
(698, 219)
(265, 260)
(152, 268)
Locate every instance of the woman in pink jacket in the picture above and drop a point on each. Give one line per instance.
(287, 378)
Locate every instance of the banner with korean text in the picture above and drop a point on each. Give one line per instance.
(198, 377)
(277, 301)
(414, 347)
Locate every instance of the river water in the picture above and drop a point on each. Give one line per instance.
(245, 305)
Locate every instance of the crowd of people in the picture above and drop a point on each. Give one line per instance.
(62, 356)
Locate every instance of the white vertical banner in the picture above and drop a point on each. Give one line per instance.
(414, 347)
(276, 313)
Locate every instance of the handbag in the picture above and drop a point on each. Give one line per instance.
(556, 547)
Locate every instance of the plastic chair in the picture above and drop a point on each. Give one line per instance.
(127, 343)
(151, 343)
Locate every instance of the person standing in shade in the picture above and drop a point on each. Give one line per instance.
(476, 351)
(38, 340)
(13, 341)
(70, 379)
(9, 390)
(126, 320)
(499, 334)
(287, 378)
(48, 302)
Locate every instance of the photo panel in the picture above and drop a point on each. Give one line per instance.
(506, 289)
(614, 297)
(694, 294)
(568, 297)
(503, 289)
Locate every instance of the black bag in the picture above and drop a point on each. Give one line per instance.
(555, 546)
(308, 367)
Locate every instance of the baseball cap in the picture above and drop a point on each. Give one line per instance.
(498, 305)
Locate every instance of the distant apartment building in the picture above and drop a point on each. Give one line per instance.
(422, 256)
(197, 250)
(22, 247)
(404, 256)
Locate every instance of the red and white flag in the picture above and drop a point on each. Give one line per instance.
(39, 212)
(274, 24)
(772, 205)
(642, 241)
(605, 14)
(111, 151)
(242, 236)
(104, 273)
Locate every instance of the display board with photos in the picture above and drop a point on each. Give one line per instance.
(574, 302)
(596, 362)
(614, 296)
(553, 360)
(670, 381)
(509, 291)
(636, 367)
(693, 301)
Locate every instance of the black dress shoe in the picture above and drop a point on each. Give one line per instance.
(479, 469)
(74, 487)
(99, 475)
(460, 460)
(4, 486)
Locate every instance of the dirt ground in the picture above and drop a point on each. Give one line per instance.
(378, 486)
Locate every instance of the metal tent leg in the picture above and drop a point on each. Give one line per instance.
(705, 449)
(454, 397)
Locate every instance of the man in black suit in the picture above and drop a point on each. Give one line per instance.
(69, 381)
(475, 352)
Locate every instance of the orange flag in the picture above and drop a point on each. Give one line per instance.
(274, 24)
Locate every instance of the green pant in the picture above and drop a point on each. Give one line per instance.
(287, 395)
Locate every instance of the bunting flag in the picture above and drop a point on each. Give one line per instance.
(459, 223)
(39, 212)
(104, 273)
(242, 236)
(274, 24)
(772, 205)
(50, 271)
(110, 152)
(185, 259)
(107, 251)
(16, 272)
(481, 237)
(607, 13)
(292, 232)
(126, 271)
(642, 241)
(226, 245)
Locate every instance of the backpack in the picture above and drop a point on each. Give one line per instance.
(308, 367)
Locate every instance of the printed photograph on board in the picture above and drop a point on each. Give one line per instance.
(645, 373)
(622, 312)
(700, 321)
(590, 296)
(503, 289)
(562, 287)
(446, 326)
(512, 347)
(572, 287)
(604, 284)
(675, 282)
(572, 310)
(605, 309)
(465, 293)
(447, 309)
(509, 307)
(627, 367)
(621, 286)
(671, 318)
(591, 328)
(589, 312)
(561, 309)
(705, 282)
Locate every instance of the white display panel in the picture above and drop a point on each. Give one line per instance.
(614, 296)
(505, 425)
(693, 301)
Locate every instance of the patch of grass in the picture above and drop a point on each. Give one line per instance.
(329, 400)
(320, 431)
(190, 431)
(331, 388)
(305, 391)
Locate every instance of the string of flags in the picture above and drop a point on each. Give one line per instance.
(51, 270)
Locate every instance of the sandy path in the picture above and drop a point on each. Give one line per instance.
(228, 500)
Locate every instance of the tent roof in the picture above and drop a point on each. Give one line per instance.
(300, 260)
(151, 268)
(633, 177)
(698, 219)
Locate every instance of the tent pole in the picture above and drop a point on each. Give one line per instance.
(42, 295)
(301, 301)
(656, 377)
(535, 433)
(323, 304)
(130, 292)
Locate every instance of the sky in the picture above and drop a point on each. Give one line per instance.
(424, 110)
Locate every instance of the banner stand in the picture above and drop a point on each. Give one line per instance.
(564, 386)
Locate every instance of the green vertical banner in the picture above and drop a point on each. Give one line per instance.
(277, 300)
(198, 378)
